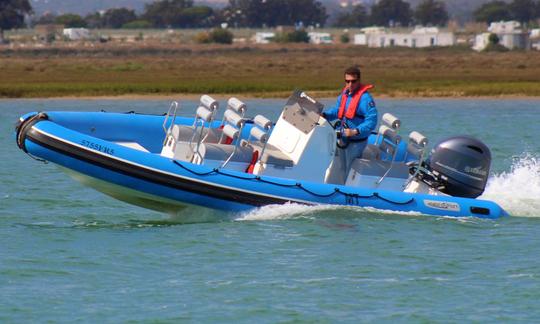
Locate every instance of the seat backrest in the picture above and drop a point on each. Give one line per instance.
(234, 115)
(388, 141)
(416, 147)
(259, 133)
(391, 121)
(205, 115)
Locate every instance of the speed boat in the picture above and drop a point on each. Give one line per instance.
(235, 163)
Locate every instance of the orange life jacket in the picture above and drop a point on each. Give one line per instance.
(353, 105)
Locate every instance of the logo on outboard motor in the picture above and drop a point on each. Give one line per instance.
(476, 170)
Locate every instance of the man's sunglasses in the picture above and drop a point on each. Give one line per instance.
(351, 81)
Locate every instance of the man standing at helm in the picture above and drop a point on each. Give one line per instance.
(357, 117)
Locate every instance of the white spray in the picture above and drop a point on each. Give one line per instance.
(517, 191)
(285, 211)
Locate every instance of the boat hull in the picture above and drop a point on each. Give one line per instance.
(156, 182)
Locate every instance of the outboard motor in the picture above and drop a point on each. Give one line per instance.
(460, 166)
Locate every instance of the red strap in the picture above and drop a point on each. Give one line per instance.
(228, 140)
(353, 105)
(254, 159)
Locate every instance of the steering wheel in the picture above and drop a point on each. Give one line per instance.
(341, 140)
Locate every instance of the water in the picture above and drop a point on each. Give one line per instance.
(68, 253)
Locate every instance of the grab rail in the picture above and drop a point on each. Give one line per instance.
(173, 107)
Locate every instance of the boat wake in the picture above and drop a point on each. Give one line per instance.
(298, 211)
(517, 191)
(285, 211)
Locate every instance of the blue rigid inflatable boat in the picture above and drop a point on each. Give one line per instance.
(167, 163)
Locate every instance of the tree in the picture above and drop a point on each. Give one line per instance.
(71, 21)
(493, 39)
(391, 13)
(137, 24)
(523, 10)
(161, 13)
(297, 36)
(492, 11)
(431, 12)
(217, 35)
(221, 36)
(45, 19)
(12, 14)
(177, 13)
(94, 20)
(241, 13)
(358, 17)
(116, 18)
(494, 45)
(258, 13)
(307, 12)
(198, 16)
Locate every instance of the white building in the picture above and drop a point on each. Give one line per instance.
(431, 36)
(364, 36)
(320, 38)
(510, 36)
(419, 37)
(535, 38)
(503, 27)
(76, 33)
(264, 37)
(481, 41)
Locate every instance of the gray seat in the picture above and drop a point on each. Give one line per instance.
(378, 168)
(387, 140)
(371, 152)
(184, 133)
(272, 155)
(378, 159)
(221, 152)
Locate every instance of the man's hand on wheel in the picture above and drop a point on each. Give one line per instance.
(348, 132)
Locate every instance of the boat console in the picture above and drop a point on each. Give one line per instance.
(301, 145)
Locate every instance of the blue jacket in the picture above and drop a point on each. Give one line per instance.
(365, 119)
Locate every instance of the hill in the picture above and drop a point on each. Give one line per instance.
(88, 6)
(458, 9)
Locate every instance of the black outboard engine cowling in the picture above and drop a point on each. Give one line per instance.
(461, 164)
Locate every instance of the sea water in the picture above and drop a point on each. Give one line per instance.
(69, 253)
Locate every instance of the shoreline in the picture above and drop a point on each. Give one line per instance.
(267, 96)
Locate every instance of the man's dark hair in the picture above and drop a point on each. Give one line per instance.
(353, 70)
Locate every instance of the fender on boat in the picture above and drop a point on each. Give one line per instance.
(24, 124)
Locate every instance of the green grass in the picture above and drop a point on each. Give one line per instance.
(264, 71)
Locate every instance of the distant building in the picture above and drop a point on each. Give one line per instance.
(320, 38)
(76, 33)
(431, 36)
(481, 41)
(535, 38)
(417, 38)
(364, 36)
(48, 32)
(510, 36)
(264, 37)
